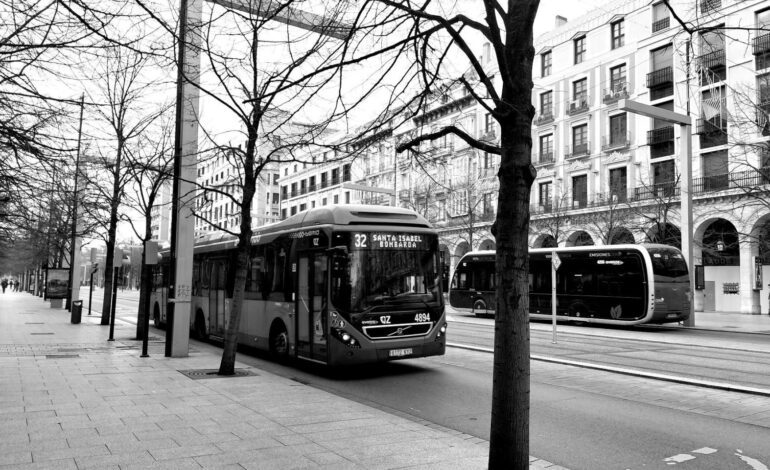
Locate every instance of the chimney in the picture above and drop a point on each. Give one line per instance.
(560, 21)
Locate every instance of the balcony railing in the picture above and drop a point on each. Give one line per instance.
(579, 105)
(660, 135)
(616, 141)
(707, 6)
(616, 92)
(761, 44)
(744, 180)
(545, 117)
(577, 150)
(657, 191)
(711, 126)
(712, 60)
(545, 157)
(660, 77)
(661, 24)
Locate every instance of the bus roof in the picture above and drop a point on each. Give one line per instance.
(344, 214)
(351, 215)
(645, 246)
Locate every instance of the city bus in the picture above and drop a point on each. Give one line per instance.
(337, 285)
(613, 284)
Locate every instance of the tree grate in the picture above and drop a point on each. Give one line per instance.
(198, 374)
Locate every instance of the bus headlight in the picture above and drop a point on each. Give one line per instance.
(441, 331)
(345, 338)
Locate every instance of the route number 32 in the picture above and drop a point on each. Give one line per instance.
(360, 241)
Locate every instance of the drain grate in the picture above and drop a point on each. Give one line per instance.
(34, 323)
(41, 333)
(198, 374)
(61, 356)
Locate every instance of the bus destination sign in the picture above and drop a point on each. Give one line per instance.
(389, 240)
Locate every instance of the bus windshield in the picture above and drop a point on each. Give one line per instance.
(388, 270)
(667, 263)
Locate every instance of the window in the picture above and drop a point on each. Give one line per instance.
(580, 49)
(336, 198)
(546, 103)
(580, 91)
(618, 188)
(618, 134)
(347, 197)
(580, 139)
(664, 178)
(546, 148)
(311, 184)
(545, 64)
(579, 191)
(302, 207)
(618, 34)
(545, 194)
(618, 78)
(489, 123)
(715, 176)
(660, 80)
(660, 17)
(346, 172)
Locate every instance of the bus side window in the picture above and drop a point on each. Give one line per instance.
(462, 280)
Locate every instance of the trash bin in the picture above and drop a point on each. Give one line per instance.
(76, 311)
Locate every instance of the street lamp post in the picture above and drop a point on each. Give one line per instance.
(685, 182)
(75, 250)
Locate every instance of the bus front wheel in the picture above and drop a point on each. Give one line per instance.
(480, 308)
(279, 341)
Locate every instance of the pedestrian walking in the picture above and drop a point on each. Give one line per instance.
(4, 283)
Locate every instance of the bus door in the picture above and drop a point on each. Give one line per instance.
(311, 324)
(217, 296)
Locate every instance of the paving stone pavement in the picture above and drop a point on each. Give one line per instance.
(70, 399)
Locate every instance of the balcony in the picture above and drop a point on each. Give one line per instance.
(716, 125)
(616, 92)
(713, 60)
(746, 181)
(666, 190)
(761, 44)
(660, 77)
(577, 150)
(661, 24)
(403, 195)
(577, 106)
(544, 117)
(545, 158)
(660, 135)
(616, 142)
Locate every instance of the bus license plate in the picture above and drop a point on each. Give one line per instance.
(400, 352)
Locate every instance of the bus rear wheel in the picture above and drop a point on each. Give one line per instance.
(480, 308)
(279, 341)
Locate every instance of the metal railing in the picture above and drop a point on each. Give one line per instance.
(616, 141)
(577, 150)
(616, 92)
(661, 24)
(707, 6)
(761, 44)
(545, 157)
(660, 135)
(544, 117)
(578, 105)
(746, 180)
(660, 77)
(712, 60)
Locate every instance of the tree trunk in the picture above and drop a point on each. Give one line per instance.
(227, 365)
(111, 236)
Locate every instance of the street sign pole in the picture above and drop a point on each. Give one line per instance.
(555, 262)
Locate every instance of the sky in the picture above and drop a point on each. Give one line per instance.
(571, 10)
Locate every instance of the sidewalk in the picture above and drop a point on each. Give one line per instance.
(69, 399)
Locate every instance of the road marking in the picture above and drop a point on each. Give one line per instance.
(673, 460)
(752, 462)
(704, 450)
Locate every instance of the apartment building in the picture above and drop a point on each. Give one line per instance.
(609, 176)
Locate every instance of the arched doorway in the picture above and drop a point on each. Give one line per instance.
(487, 245)
(720, 252)
(580, 238)
(665, 234)
(622, 236)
